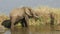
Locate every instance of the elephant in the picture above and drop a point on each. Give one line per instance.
(52, 18)
(6, 23)
(21, 14)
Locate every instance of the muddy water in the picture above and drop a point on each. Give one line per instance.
(45, 29)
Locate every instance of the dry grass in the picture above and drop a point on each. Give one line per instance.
(2, 18)
(44, 14)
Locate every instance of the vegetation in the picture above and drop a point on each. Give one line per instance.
(44, 16)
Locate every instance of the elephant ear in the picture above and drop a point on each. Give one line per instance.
(31, 12)
(28, 11)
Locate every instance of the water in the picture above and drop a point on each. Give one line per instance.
(45, 29)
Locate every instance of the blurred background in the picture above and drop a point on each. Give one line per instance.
(7, 5)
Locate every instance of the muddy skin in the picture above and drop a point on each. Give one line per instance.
(23, 22)
(6, 23)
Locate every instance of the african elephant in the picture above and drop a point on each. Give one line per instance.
(6, 23)
(23, 14)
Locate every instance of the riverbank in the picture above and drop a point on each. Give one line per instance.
(44, 17)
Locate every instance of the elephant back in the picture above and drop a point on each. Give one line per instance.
(17, 12)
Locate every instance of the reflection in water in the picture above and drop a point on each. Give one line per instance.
(35, 30)
(21, 31)
(7, 32)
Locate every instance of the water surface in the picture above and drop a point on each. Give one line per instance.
(45, 29)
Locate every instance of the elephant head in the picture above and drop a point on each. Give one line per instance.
(30, 12)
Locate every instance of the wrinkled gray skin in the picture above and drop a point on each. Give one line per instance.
(21, 14)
